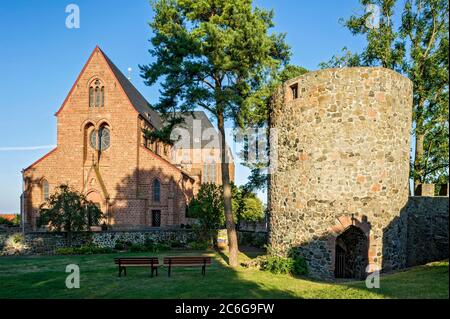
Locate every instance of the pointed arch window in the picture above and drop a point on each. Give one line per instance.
(212, 172)
(156, 191)
(209, 171)
(91, 96)
(45, 190)
(96, 94)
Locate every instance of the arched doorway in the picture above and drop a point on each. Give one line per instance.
(351, 254)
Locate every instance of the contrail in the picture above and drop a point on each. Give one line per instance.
(26, 148)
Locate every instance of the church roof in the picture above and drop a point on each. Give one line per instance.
(143, 107)
(137, 100)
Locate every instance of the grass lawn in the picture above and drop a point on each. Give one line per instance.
(44, 277)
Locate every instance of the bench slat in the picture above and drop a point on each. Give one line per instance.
(187, 261)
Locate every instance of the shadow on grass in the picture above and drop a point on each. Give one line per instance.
(99, 279)
(429, 281)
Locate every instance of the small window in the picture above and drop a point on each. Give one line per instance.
(156, 218)
(91, 96)
(205, 173)
(96, 94)
(294, 90)
(212, 172)
(45, 190)
(156, 191)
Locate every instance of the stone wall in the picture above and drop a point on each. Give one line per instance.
(46, 243)
(342, 160)
(251, 226)
(428, 230)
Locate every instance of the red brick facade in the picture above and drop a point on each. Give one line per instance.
(123, 177)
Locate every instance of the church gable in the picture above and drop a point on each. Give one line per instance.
(97, 91)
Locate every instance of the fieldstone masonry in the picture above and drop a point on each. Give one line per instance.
(428, 235)
(343, 160)
(46, 243)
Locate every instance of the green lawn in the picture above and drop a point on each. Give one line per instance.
(44, 277)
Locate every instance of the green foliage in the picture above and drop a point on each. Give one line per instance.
(69, 210)
(4, 221)
(250, 208)
(277, 265)
(295, 265)
(207, 207)
(14, 222)
(119, 245)
(346, 59)
(198, 245)
(215, 55)
(149, 247)
(418, 48)
(17, 220)
(300, 267)
(84, 250)
(427, 281)
(255, 115)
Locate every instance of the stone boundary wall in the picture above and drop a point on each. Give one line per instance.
(428, 232)
(257, 227)
(45, 243)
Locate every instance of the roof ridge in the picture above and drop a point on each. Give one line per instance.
(137, 100)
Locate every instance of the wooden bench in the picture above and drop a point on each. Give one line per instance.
(187, 261)
(124, 262)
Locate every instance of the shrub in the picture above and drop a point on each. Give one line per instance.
(83, 250)
(300, 266)
(4, 221)
(137, 248)
(277, 264)
(294, 265)
(65, 251)
(119, 245)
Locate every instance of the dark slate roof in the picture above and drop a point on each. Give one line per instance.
(205, 124)
(139, 102)
(145, 109)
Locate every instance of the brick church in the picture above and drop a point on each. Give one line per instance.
(102, 152)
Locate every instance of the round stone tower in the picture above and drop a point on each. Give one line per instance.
(341, 170)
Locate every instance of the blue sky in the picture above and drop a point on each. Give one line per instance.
(40, 59)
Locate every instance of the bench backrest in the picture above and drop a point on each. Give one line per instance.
(136, 260)
(187, 260)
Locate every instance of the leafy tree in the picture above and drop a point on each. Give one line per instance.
(347, 59)
(215, 55)
(17, 220)
(418, 48)
(251, 208)
(257, 117)
(4, 221)
(68, 210)
(207, 207)
(425, 26)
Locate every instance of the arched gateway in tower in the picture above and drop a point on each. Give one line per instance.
(342, 169)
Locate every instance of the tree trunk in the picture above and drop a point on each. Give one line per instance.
(419, 150)
(229, 221)
(418, 159)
